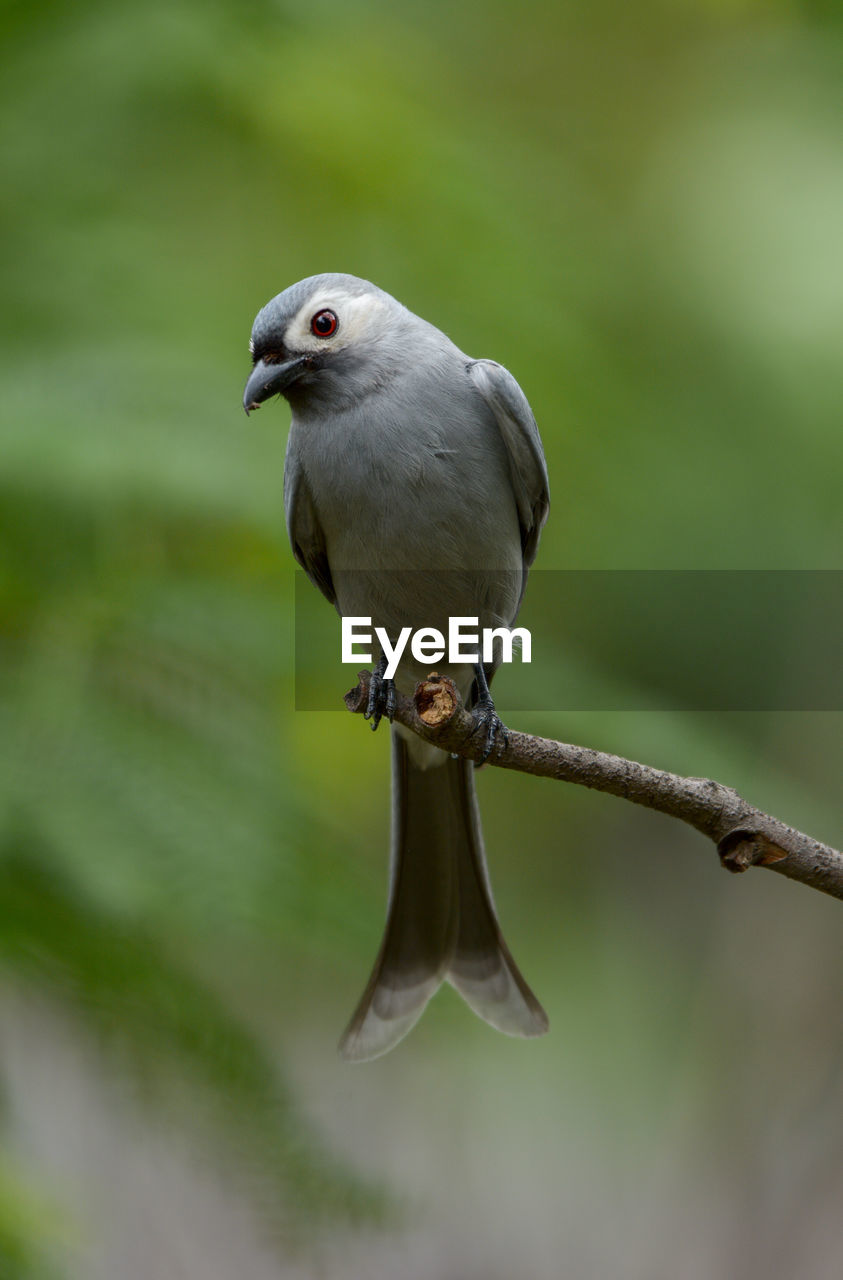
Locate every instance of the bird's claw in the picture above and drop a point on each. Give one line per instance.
(381, 697)
(493, 728)
(486, 718)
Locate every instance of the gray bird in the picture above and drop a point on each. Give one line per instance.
(415, 489)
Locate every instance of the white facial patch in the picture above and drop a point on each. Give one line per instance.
(359, 316)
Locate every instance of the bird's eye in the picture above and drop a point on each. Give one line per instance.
(324, 324)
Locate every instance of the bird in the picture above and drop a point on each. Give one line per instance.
(415, 490)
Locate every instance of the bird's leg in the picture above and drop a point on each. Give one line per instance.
(381, 695)
(485, 716)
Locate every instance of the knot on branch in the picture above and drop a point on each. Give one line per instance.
(436, 700)
(357, 699)
(743, 848)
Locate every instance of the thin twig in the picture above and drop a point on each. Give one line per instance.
(744, 836)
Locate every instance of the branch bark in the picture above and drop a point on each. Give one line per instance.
(744, 836)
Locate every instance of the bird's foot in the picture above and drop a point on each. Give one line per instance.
(381, 696)
(486, 718)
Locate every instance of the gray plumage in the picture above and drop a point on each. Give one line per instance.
(415, 489)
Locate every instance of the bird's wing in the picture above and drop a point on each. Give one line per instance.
(304, 529)
(523, 444)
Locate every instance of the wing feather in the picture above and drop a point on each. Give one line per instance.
(306, 536)
(523, 444)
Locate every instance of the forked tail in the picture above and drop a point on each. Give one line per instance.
(441, 921)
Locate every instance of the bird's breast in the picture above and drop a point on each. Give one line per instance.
(418, 515)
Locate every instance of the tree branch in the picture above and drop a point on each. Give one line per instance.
(744, 836)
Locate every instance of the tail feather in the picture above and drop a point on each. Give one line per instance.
(441, 921)
(482, 968)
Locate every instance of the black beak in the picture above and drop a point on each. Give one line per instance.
(267, 380)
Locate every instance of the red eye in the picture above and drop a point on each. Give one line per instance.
(324, 323)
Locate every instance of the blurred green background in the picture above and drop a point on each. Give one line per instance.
(637, 209)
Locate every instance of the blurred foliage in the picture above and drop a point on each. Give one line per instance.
(164, 1023)
(637, 209)
(29, 1229)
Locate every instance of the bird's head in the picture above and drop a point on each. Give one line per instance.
(330, 337)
